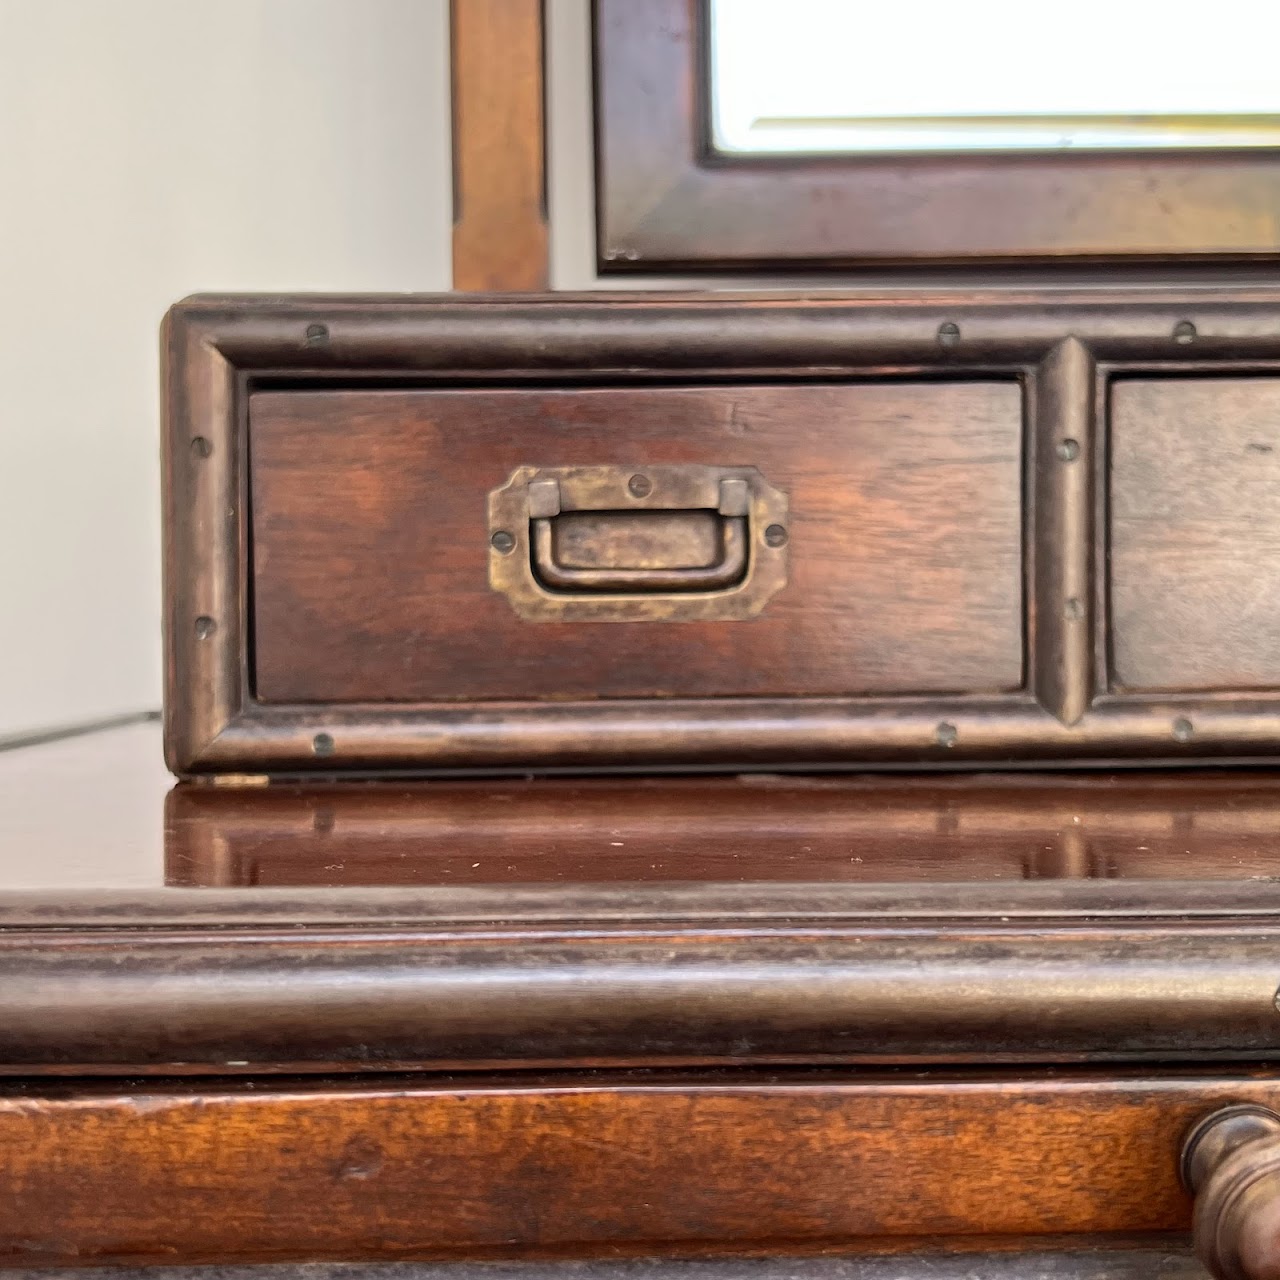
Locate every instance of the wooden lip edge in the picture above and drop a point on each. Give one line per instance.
(781, 332)
(1094, 1257)
(997, 907)
(738, 735)
(250, 1002)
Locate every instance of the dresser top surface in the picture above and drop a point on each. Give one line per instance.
(98, 815)
(628, 921)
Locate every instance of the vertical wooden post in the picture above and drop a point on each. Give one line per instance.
(499, 156)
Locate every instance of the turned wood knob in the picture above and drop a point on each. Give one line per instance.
(1231, 1164)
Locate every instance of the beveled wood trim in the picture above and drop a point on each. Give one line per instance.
(506, 1166)
(452, 978)
(217, 348)
(500, 237)
(666, 202)
(1065, 616)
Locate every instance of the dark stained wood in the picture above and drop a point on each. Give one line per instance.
(1065, 349)
(424, 1168)
(666, 202)
(371, 547)
(752, 830)
(500, 238)
(1067, 605)
(1195, 532)
(590, 975)
(1074, 1258)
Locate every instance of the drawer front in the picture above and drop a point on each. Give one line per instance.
(323, 1172)
(1195, 533)
(372, 544)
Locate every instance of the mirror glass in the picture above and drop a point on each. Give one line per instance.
(843, 77)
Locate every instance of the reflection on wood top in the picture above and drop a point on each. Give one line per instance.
(87, 814)
(811, 829)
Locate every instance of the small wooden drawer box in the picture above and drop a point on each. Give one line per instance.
(667, 531)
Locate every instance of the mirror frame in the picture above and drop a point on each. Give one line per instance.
(666, 201)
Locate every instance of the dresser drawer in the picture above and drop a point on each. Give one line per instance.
(374, 565)
(268, 1170)
(1195, 533)
(697, 531)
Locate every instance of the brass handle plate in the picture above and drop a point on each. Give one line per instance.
(634, 544)
(1231, 1164)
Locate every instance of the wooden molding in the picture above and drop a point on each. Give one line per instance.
(499, 156)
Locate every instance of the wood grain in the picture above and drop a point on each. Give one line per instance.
(591, 975)
(1195, 532)
(371, 547)
(500, 240)
(421, 1168)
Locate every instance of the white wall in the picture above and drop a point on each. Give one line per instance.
(150, 149)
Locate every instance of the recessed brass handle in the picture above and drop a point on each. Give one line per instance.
(662, 543)
(725, 570)
(1231, 1164)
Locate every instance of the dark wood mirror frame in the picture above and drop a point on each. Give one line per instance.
(666, 201)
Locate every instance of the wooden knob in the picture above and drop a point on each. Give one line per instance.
(1231, 1164)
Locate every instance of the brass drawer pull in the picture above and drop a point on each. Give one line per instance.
(643, 551)
(1231, 1164)
(662, 543)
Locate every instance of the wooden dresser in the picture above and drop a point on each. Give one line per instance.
(796, 1026)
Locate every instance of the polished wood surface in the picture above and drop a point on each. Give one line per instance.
(1195, 532)
(500, 237)
(668, 202)
(619, 921)
(371, 548)
(422, 1167)
(757, 829)
(463, 977)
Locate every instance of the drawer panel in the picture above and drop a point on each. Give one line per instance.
(371, 541)
(412, 1168)
(1195, 533)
